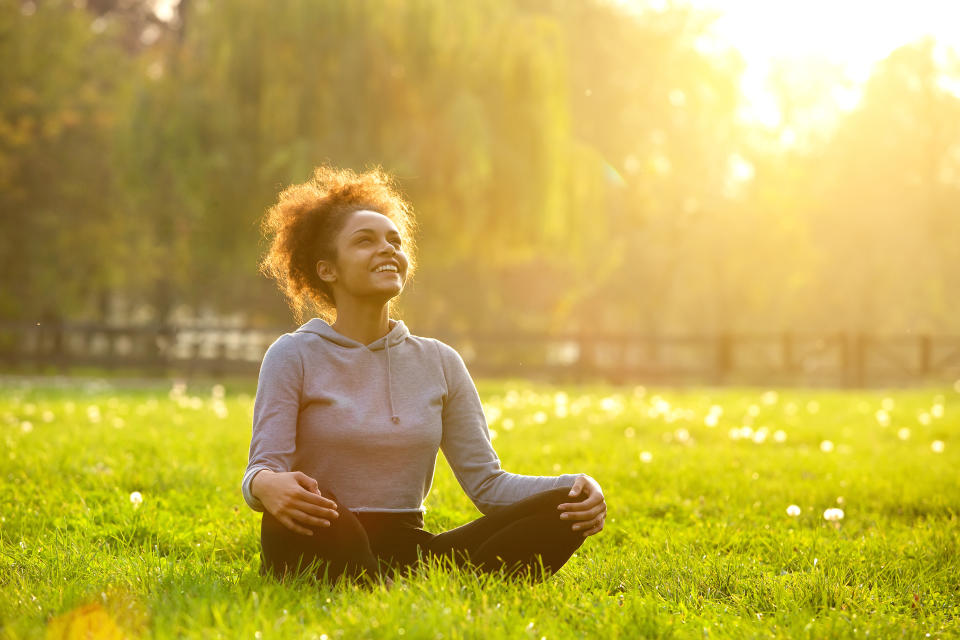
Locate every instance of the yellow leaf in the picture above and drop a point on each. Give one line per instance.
(89, 622)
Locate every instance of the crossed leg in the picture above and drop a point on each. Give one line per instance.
(520, 538)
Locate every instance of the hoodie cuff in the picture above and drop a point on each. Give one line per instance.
(252, 501)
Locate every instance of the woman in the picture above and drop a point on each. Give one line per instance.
(349, 416)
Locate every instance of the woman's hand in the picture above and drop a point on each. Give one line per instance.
(588, 514)
(294, 499)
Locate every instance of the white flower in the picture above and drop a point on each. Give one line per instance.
(540, 417)
(793, 511)
(136, 499)
(923, 418)
(780, 435)
(826, 446)
(936, 411)
(711, 420)
(646, 456)
(903, 433)
(937, 446)
(883, 418)
(833, 514)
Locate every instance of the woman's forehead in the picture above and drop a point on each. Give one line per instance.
(365, 218)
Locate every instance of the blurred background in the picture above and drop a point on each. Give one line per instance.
(596, 168)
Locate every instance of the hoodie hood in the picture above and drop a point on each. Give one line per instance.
(397, 334)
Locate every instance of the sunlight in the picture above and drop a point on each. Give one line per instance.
(852, 35)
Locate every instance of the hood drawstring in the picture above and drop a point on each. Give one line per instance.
(398, 333)
(393, 414)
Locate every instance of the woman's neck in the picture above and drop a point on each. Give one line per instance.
(362, 323)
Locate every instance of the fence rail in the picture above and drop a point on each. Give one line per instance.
(815, 359)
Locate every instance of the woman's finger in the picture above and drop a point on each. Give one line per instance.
(589, 502)
(313, 510)
(307, 519)
(577, 486)
(588, 514)
(589, 528)
(293, 526)
(316, 498)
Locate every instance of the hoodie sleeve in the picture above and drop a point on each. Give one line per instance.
(466, 444)
(275, 413)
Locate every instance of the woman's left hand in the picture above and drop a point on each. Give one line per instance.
(589, 514)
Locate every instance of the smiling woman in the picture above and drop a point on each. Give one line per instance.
(352, 409)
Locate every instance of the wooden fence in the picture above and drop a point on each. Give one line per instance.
(809, 359)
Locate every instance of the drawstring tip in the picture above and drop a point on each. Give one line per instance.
(396, 419)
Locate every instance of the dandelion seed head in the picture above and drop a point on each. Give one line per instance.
(833, 514)
(47, 416)
(711, 420)
(826, 446)
(887, 404)
(646, 457)
(779, 435)
(883, 418)
(629, 432)
(136, 499)
(841, 500)
(769, 397)
(793, 511)
(923, 418)
(507, 424)
(813, 407)
(937, 411)
(218, 391)
(903, 433)
(753, 411)
(682, 435)
(937, 446)
(26, 426)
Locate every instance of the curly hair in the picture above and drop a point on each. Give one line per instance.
(303, 225)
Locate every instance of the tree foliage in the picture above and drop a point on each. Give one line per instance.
(571, 165)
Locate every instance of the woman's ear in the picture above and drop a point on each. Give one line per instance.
(326, 271)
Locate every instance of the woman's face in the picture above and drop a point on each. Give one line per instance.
(370, 259)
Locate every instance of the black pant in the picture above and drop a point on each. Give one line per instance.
(520, 538)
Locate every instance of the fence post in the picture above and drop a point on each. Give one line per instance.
(724, 357)
(859, 360)
(786, 346)
(925, 347)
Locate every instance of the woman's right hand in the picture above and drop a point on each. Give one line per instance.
(293, 498)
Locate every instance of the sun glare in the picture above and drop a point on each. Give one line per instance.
(848, 35)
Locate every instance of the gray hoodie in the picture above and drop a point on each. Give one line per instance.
(366, 421)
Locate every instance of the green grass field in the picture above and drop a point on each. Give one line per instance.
(698, 542)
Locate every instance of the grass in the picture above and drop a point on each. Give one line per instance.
(698, 541)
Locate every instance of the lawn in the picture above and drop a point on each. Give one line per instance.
(698, 543)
